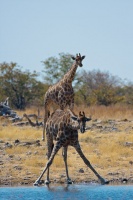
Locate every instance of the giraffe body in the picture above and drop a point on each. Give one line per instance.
(62, 93)
(62, 126)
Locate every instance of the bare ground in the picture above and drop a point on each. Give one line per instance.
(108, 145)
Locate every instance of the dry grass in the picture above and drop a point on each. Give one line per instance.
(11, 133)
(106, 151)
(109, 145)
(97, 112)
(110, 112)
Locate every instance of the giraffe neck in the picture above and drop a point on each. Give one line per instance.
(69, 76)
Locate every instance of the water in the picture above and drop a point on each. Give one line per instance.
(71, 192)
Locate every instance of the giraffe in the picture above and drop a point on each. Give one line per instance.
(62, 93)
(62, 127)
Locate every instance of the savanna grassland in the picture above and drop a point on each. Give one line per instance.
(107, 144)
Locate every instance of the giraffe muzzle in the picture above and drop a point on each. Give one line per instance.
(82, 129)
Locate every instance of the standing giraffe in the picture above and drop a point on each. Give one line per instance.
(62, 126)
(62, 93)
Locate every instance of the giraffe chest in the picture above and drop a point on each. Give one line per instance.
(65, 90)
(62, 96)
(65, 94)
(65, 137)
(69, 138)
(65, 134)
(61, 91)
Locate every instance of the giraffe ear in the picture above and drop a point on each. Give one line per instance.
(73, 57)
(74, 118)
(88, 119)
(83, 57)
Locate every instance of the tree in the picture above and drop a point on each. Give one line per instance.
(127, 90)
(98, 87)
(55, 68)
(21, 87)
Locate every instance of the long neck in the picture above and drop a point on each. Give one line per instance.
(69, 76)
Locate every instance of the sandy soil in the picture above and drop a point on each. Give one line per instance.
(22, 161)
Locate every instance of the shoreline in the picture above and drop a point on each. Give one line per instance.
(53, 183)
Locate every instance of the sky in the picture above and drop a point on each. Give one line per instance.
(31, 31)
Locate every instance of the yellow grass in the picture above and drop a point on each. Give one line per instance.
(110, 112)
(24, 133)
(106, 151)
(35, 162)
(97, 112)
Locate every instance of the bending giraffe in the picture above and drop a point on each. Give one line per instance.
(62, 93)
(62, 126)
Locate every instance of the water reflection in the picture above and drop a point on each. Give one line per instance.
(58, 187)
(68, 192)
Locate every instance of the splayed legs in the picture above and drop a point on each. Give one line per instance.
(54, 152)
(78, 149)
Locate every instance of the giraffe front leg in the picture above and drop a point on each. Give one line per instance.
(38, 181)
(78, 149)
(47, 181)
(64, 154)
(54, 151)
(50, 148)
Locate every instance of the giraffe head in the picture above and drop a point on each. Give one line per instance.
(82, 119)
(78, 59)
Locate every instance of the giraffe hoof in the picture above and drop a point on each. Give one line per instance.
(69, 181)
(36, 183)
(104, 181)
(47, 182)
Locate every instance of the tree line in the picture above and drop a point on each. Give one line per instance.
(91, 87)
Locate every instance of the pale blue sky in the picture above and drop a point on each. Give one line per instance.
(33, 30)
